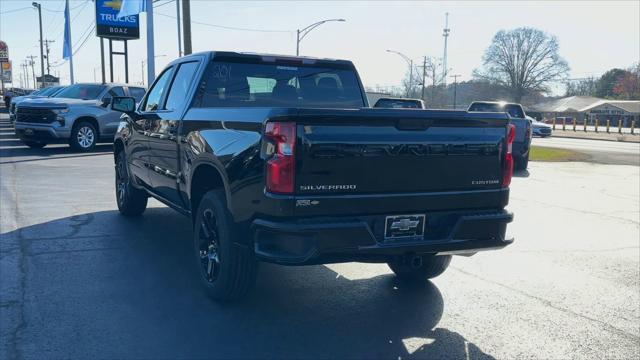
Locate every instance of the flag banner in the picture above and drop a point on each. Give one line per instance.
(66, 47)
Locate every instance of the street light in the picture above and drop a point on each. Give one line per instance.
(301, 33)
(38, 7)
(410, 63)
(142, 65)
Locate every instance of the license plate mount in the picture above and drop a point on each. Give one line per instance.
(404, 227)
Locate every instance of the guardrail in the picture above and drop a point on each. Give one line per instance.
(596, 126)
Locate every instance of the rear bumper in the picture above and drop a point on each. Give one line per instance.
(360, 238)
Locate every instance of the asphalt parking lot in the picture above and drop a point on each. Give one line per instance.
(79, 281)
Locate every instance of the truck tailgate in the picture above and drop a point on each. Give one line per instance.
(397, 151)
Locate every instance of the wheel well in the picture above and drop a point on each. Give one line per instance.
(90, 120)
(204, 179)
(118, 146)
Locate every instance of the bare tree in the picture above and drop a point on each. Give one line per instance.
(523, 60)
(581, 87)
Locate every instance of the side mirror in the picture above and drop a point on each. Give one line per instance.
(106, 101)
(123, 104)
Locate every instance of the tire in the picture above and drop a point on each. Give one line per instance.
(227, 270)
(83, 136)
(35, 144)
(131, 201)
(431, 267)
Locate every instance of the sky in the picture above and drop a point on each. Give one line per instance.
(594, 36)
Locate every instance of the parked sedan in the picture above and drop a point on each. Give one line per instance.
(539, 128)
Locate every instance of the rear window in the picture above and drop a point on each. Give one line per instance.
(513, 110)
(484, 107)
(398, 104)
(231, 84)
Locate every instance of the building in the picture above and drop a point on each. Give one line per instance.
(49, 80)
(588, 108)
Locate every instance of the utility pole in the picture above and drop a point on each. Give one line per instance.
(445, 34)
(424, 75)
(33, 69)
(46, 44)
(186, 24)
(179, 30)
(25, 72)
(151, 65)
(37, 6)
(455, 89)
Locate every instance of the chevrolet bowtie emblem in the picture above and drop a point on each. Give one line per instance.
(404, 224)
(114, 4)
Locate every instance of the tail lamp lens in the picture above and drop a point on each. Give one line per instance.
(507, 170)
(280, 169)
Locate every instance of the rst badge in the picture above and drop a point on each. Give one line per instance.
(404, 226)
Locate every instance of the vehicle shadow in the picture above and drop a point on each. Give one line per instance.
(103, 285)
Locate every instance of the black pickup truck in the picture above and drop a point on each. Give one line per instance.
(279, 159)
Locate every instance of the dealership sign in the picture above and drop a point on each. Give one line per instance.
(607, 110)
(6, 71)
(4, 52)
(108, 24)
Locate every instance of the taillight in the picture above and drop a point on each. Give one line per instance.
(507, 165)
(280, 172)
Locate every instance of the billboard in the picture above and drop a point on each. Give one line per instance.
(6, 71)
(109, 26)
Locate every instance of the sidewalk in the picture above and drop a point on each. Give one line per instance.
(601, 135)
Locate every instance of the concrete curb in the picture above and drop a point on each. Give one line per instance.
(625, 138)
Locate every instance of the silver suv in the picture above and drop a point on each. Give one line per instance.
(80, 114)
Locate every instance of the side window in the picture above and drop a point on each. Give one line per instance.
(157, 91)
(136, 93)
(114, 91)
(180, 86)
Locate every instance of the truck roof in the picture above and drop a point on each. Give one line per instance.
(263, 56)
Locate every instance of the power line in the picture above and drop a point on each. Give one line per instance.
(163, 4)
(86, 34)
(84, 4)
(15, 10)
(228, 27)
(54, 18)
(71, 8)
(85, 40)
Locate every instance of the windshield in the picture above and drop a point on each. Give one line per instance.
(47, 91)
(231, 84)
(81, 91)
